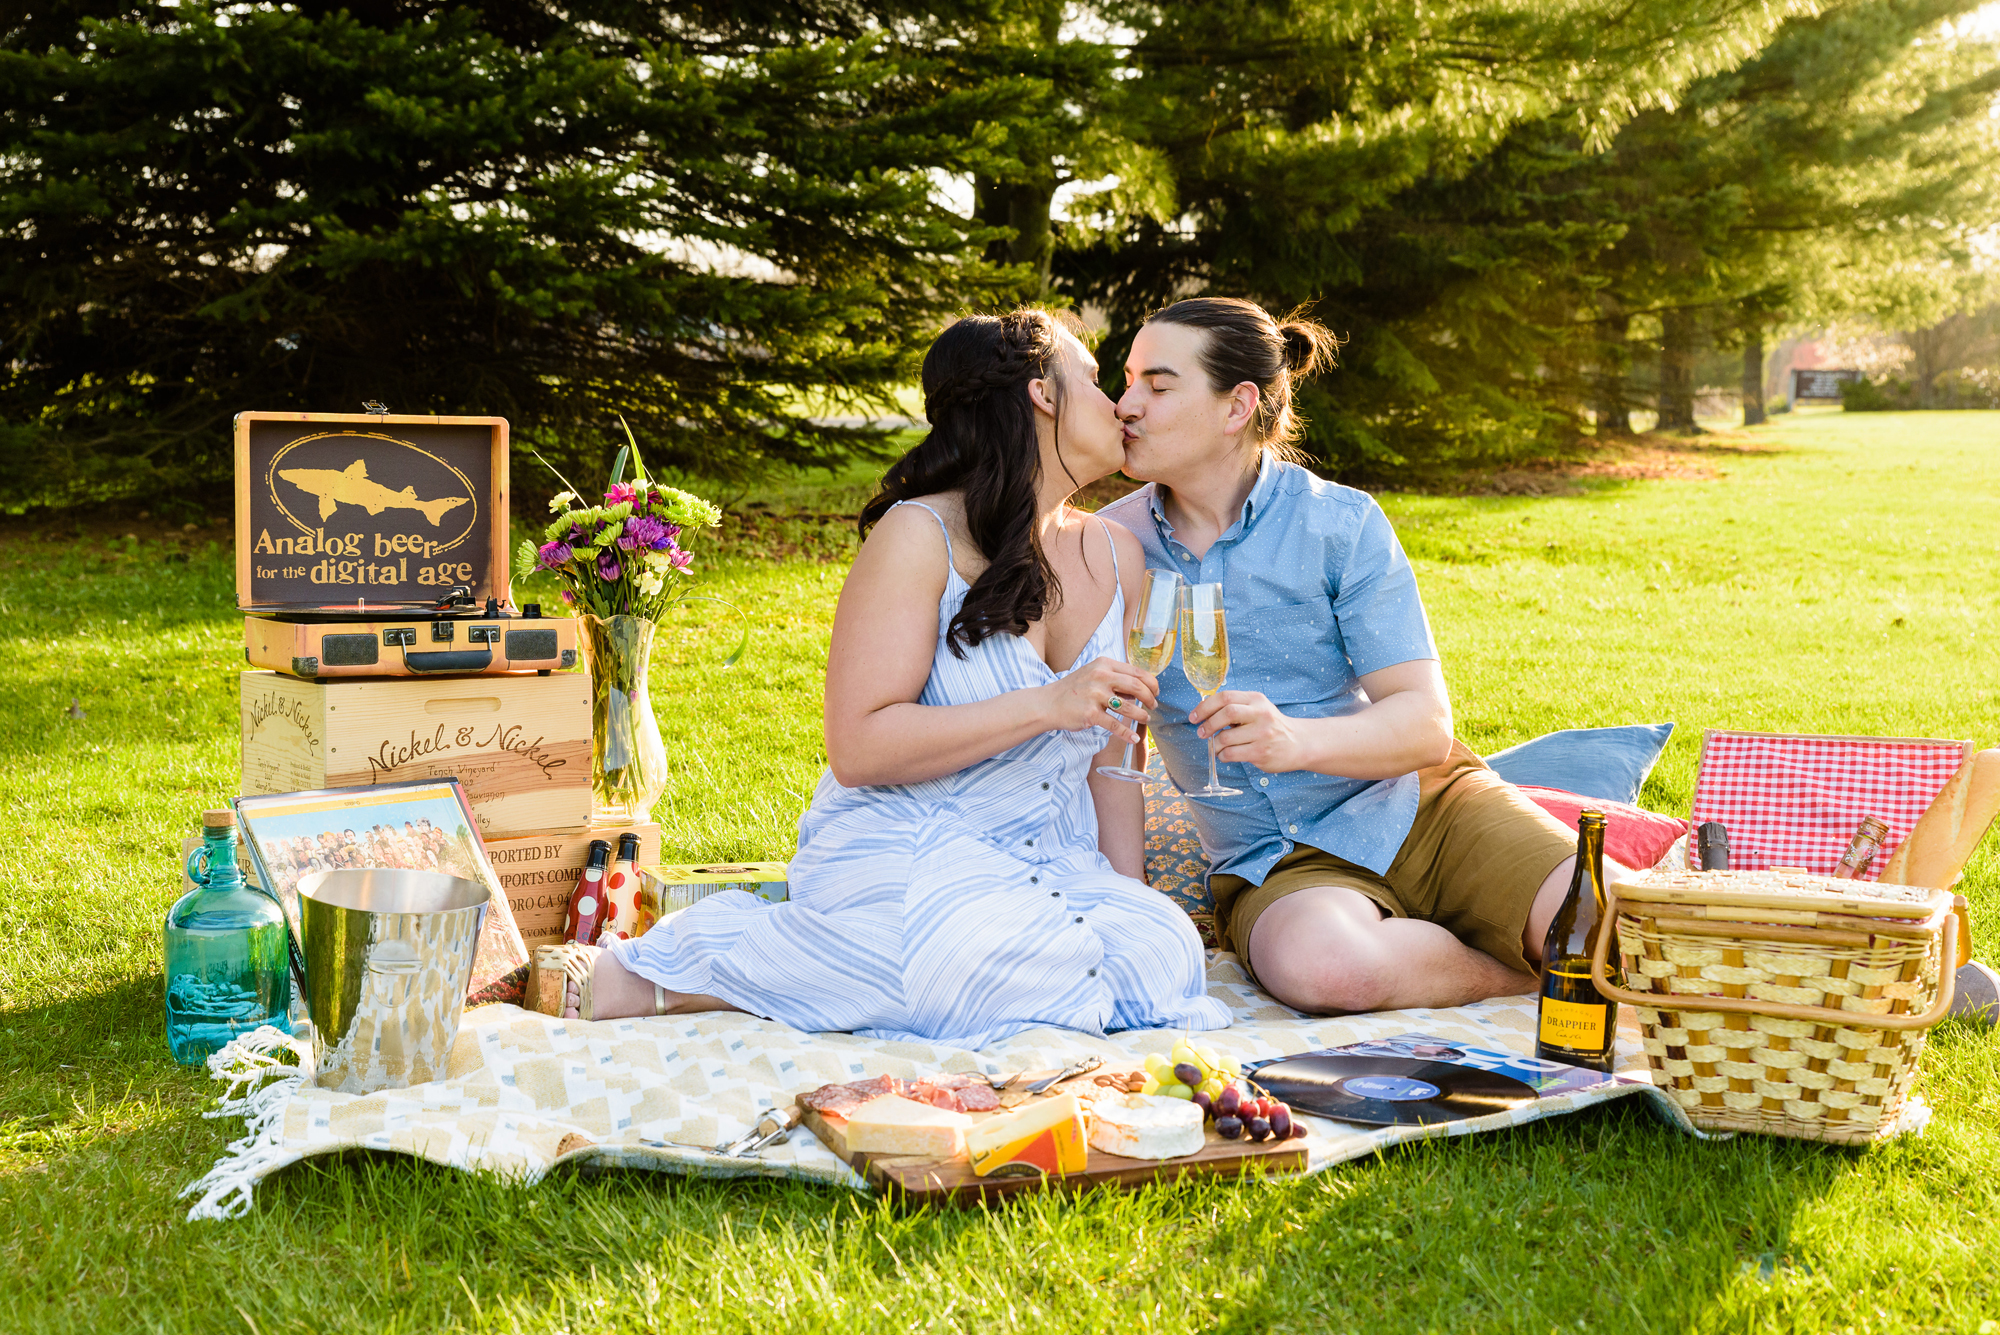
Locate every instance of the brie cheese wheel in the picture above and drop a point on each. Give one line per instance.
(1146, 1126)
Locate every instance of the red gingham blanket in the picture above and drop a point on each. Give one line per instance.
(1794, 801)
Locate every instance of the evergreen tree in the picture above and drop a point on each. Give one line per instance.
(1854, 140)
(701, 218)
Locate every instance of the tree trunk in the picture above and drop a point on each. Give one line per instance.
(1677, 371)
(1023, 206)
(1612, 409)
(1753, 372)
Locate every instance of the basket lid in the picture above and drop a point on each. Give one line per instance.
(1786, 890)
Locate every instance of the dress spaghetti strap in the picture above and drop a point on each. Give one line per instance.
(1114, 550)
(948, 559)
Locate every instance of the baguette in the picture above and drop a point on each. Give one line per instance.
(1950, 828)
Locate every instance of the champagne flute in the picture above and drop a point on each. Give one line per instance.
(1205, 661)
(1149, 646)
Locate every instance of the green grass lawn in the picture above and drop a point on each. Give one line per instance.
(1840, 575)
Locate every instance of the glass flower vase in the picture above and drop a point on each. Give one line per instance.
(628, 764)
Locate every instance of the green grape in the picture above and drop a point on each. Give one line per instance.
(1157, 1065)
(1176, 1091)
(1152, 1085)
(1184, 1053)
(1213, 1087)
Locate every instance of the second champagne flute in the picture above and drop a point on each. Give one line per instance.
(1149, 646)
(1205, 661)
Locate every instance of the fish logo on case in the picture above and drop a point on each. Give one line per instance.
(350, 486)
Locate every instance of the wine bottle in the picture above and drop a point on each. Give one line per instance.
(1577, 1025)
(586, 903)
(1712, 845)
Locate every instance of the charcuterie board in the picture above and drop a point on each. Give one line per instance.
(923, 1181)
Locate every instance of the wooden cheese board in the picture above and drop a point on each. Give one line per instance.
(922, 1181)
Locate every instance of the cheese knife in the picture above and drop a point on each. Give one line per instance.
(1076, 1068)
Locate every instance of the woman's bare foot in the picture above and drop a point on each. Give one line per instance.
(617, 993)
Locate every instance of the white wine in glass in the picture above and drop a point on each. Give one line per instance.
(1205, 661)
(1149, 646)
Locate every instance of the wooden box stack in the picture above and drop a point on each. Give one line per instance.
(518, 742)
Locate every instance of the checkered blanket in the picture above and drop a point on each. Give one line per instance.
(527, 1093)
(1793, 801)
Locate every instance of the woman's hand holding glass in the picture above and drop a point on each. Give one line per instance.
(1103, 693)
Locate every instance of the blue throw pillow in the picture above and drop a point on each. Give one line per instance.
(1606, 763)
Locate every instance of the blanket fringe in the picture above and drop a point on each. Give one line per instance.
(261, 1071)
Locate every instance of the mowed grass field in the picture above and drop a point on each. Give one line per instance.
(1837, 574)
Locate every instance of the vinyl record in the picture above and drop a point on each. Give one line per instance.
(1390, 1091)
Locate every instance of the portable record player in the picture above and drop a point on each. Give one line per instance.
(371, 544)
(456, 635)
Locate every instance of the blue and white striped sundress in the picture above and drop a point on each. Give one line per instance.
(959, 910)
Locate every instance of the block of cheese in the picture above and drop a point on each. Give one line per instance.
(893, 1124)
(1043, 1137)
(1146, 1126)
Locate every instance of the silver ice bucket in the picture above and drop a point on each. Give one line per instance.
(388, 955)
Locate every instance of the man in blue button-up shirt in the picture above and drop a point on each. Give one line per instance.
(1370, 862)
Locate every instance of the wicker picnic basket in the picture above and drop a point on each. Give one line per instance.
(1800, 1002)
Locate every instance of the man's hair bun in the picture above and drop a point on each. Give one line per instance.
(1309, 346)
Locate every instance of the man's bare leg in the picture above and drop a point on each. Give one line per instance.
(617, 993)
(1549, 898)
(1330, 950)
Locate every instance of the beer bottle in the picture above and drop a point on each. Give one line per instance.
(587, 909)
(1577, 1025)
(1861, 849)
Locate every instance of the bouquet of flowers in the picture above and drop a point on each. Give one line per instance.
(624, 557)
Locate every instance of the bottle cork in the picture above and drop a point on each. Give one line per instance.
(224, 819)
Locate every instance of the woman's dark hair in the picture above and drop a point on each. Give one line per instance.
(1245, 343)
(982, 443)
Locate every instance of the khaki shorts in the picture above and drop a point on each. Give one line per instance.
(1473, 863)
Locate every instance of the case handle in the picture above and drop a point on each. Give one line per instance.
(448, 660)
(1670, 1001)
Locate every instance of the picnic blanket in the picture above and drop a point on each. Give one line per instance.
(528, 1092)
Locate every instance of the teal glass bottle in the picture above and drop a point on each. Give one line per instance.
(228, 961)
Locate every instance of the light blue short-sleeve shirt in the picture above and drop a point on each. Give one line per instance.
(1318, 594)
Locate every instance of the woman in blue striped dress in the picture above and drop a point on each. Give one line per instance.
(962, 873)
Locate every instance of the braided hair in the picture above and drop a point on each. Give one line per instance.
(982, 443)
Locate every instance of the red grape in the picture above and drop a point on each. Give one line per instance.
(1188, 1074)
(1229, 1128)
(1228, 1102)
(1204, 1102)
(1258, 1128)
(1281, 1122)
(1298, 1130)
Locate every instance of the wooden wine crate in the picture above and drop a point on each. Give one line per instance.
(538, 872)
(519, 745)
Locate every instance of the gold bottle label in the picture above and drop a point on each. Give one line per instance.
(1573, 1025)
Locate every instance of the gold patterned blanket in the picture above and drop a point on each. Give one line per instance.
(526, 1092)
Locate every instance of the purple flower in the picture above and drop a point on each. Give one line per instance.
(673, 531)
(680, 558)
(553, 554)
(607, 567)
(569, 599)
(620, 491)
(644, 531)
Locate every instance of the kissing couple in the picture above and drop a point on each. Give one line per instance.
(964, 872)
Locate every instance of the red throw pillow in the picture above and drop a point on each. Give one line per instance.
(1633, 837)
